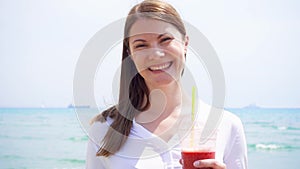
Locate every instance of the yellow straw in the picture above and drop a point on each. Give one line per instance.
(193, 114)
(193, 102)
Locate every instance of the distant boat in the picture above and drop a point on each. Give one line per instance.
(252, 106)
(82, 106)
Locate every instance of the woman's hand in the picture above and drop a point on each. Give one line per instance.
(209, 163)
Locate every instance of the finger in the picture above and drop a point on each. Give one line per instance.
(209, 163)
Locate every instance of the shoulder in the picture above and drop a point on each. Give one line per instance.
(224, 115)
(231, 120)
(209, 112)
(227, 121)
(98, 130)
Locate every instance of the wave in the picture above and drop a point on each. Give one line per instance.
(73, 161)
(271, 147)
(293, 128)
(78, 139)
(278, 127)
(285, 127)
(281, 127)
(13, 157)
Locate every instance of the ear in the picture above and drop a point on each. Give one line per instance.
(186, 43)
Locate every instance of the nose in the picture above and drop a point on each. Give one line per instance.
(156, 53)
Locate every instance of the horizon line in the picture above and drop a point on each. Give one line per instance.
(91, 107)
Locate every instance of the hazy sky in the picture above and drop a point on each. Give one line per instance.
(257, 42)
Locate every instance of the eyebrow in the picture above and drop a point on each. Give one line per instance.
(142, 40)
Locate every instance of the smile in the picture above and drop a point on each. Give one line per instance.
(163, 66)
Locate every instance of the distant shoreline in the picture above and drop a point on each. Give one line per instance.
(84, 107)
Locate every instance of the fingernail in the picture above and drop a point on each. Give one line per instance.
(196, 163)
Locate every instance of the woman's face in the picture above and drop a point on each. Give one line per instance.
(158, 51)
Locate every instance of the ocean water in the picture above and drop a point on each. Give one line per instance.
(273, 137)
(54, 139)
(41, 139)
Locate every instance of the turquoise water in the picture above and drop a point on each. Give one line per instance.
(273, 137)
(41, 139)
(53, 138)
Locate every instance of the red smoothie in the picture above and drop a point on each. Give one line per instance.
(189, 157)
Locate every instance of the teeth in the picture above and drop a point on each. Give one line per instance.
(160, 67)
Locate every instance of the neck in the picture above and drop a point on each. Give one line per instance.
(171, 92)
(164, 102)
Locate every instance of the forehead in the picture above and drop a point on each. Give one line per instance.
(151, 26)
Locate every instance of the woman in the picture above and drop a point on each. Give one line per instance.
(141, 130)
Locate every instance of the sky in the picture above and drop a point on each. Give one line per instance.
(257, 43)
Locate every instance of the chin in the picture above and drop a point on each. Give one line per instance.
(160, 83)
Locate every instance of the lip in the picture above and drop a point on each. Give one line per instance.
(160, 67)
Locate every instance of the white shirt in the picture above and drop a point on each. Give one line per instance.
(144, 150)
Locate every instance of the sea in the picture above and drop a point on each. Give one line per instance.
(53, 138)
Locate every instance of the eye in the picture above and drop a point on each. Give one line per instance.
(166, 39)
(139, 46)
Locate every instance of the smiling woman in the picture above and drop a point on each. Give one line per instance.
(144, 129)
(158, 51)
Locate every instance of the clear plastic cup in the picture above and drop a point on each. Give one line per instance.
(198, 145)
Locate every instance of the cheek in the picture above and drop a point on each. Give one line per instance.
(176, 48)
(177, 52)
(139, 63)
